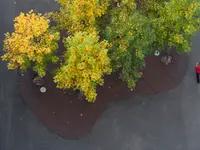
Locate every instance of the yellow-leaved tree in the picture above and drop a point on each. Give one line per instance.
(79, 15)
(32, 44)
(85, 62)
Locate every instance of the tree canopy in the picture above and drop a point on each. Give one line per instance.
(177, 21)
(104, 36)
(32, 44)
(131, 36)
(85, 62)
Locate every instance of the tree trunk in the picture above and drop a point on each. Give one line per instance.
(80, 94)
(37, 80)
(167, 58)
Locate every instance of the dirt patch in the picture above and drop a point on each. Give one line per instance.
(64, 114)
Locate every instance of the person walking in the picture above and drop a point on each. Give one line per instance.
(197, 69)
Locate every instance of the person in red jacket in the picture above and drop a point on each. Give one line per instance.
(197, 69)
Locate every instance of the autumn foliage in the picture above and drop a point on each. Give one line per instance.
(79, 15)
(32, 44)
(104, 36)
(85, 62)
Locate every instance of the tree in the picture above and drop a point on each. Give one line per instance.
(104, 36)
(32, 44)
(149, 7)
(79, 15)
(85, 63)
(131, 36)
(176, 21)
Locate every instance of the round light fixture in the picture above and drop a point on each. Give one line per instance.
(156, 53)
(43, 89)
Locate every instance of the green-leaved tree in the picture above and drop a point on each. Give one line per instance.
(131, 37)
